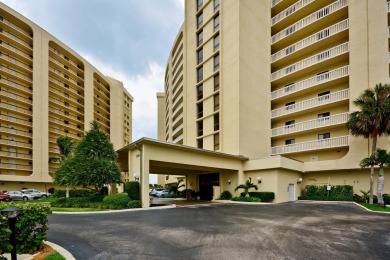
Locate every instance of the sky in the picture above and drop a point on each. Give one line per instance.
(128, 40)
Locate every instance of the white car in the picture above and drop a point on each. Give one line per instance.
(162, 193)
(155, 191)
(18, 195)
(36, 193)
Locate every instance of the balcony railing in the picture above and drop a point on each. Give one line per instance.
(80, 76)
(177, 100)
(310, 82)
(310, 61)
(327, 10)
(310, 124)
(15, 73)
(15, 131)
(179, 138)
(15, 50)
(14, 26)
(15, 108)
(177, 110)
(15, 154)
(11, 166)
(311, 103)
(314, 38)
(340, 141)
(17, 39)
(15, 85)
(290, 10)
(15, 120)
(15, 143)
(275, 2)
(13, 96)
(177, 119)
(67, 59)
(177, 129)
(16, 62)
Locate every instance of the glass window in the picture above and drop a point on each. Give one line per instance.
(323, 136)
(200, 91)
(200, 38)
(199, 4)
(321, 13)
(289, 87)
(290, 30)
(216, 122)
(323, 96)
(216, 142)
(216, 5)
(216, 82)
(323, 76)
(216, 23)
(200, 128)
(200, 56)
(323, 56)
(323, 34)
(216, 102)
(290, 49)
(323, 116)
(290, 105)
(200, 74)
(216, 62)
(199, 20)
(200, 143)
(200, 110)
(290, 69)
(216, 42)
(290, 141)
(290, 124)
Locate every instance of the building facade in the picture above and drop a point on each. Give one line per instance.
(48, 90)
(274, 81)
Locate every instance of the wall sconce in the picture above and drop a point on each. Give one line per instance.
(136, 178)
(229, 182)
(258, 180)
(299, 181)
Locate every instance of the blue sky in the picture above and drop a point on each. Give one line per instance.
(128, 40)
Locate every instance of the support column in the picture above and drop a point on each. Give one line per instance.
(144, 178)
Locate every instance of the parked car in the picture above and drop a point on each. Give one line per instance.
(18, 195)
(162, 193)
(154, 191)
(5, 197)
(36, 193)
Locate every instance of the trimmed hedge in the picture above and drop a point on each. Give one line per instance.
(73, 193)
(134, 204)
(31, 227)
(79, 202)
(226, 195)
(246, 199)
(115, 202)
(133, 190)
(265, 196)
(337, 193)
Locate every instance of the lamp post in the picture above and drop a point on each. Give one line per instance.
(12, 213)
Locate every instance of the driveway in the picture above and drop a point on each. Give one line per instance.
(227, 231)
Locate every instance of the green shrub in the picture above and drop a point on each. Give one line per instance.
(73, 193)
(265, 196)
(246, 199)
(226, 195)
(31, 227)
(337, 193)
(386, 199)
(132, 204)
(115, 202)
(133, 190)
(51, 190)
(79, 202)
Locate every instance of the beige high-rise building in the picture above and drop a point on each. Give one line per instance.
(48, 90)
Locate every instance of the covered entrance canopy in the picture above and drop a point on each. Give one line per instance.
(147, 156)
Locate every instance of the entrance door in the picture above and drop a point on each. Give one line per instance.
(206, 183)
(291, 192)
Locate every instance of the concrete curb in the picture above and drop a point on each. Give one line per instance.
(117, 211)
(65, 253)
(339, 202)
(244, 203)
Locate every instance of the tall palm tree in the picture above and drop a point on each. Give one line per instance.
(65, 145)
(248, 185)
(373, 119)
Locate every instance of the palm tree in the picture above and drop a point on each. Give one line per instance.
(174, 188)
(248, 185)
(380, 158)
(65, 145)
(373, 120)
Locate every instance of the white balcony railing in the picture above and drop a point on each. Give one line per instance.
(10, 130)
(314, 38)
(311, 103)
(12, 166)
(177, 110)
(177, 119)
(312, 60)
(179, 138)
(15, 154)
(13, 119)
(12, 107)
(327, 10)
(275, 2)
(177, 129)
(340, 141)
(310, 124)
(311, 82)
(290, 10)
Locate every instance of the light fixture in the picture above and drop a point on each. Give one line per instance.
(258, 179)
(136, 178)
(12, 213)
(229, 182)
(299, 181)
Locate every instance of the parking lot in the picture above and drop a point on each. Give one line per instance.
(227, 231)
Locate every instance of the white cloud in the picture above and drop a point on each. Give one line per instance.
(143, 88)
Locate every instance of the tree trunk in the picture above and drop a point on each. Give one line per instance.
(373, 147)
(381, 184)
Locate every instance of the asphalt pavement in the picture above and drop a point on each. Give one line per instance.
(227, 231)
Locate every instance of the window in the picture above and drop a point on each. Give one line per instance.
(66, 94)
(290, 49)
(200, 56)
(290, 124)
(323, 55)
(200, 110)
(199, 20)
(200, 143)
(199, 90)
(290, 10)
(323, 96)
(290, 69)
(200, 128)
(290, 30)
(289, 87)
(200, 74)
(323, 136)
(216, 122)
(216, 82)
(323, 116)
(216, 102)
(199, 4)
(216, 5)
(66, 67)
(323, 34)
(216, 42)
(216, 142)
(290, 141)
(66, 85)
(200, 38)
(323, 76)
(321, 13)
(290, 105)
(216, 62)
(216, 23)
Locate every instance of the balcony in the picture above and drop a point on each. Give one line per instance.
(177, 130)
(16, 39)
(14, 131)
(16, 86)
(15, 154)
(12, 61)
(335, 142)
(17, 28)
(61, 84)
(310, 125)
(13, 96)
(12, 166)
(64, 70)
(13, 108)
(311, 103)
(62, 104)
(15, 143)
(179, 108)
(275, 2)
(290, 10)
(16, 51)
(61, 94)
(310, 61)
(177, 100)
(312, 39)
(327, 10)
(15, 120)
(178, 139)
(310, 82)
(15, 73)
(66, 59)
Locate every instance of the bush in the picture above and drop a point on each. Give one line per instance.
(132, 189)
(79, 202)
(226, 195)
(132, 204)
(337, 193)
(51, 190)
(386, 199)
(246, 199)
(31, 227)
(115, 202)
(73, 193)
(265, 196)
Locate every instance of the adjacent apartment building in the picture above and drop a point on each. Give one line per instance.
(47, 90)
(274, 81)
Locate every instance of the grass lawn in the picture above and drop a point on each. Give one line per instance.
(77, 209)
(54, 256)
(374, 207)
